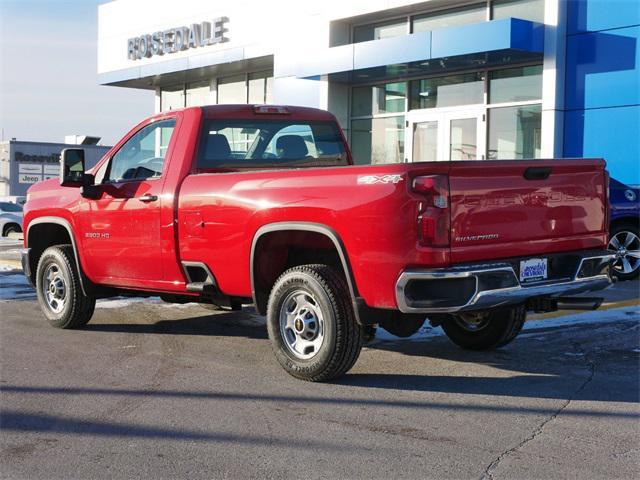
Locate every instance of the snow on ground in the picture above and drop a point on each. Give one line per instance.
(6, 241)
(14, 286)
(625, 314)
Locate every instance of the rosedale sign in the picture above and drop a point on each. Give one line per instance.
(176, 39)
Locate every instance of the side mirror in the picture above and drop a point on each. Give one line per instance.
(72, 167)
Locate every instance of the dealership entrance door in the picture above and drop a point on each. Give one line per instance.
(445, 135)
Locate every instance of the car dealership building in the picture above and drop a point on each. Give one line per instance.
(408, 80)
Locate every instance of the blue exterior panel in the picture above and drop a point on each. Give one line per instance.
(602, 89)
(609, 133)
(597, 15)
(509, 33)
(603, 69)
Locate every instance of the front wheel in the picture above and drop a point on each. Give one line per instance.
(312, 325)
(484, 330)
(59, 292)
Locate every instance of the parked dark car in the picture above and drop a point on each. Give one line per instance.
(624, 237)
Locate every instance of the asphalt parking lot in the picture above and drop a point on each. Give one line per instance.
(159, 391)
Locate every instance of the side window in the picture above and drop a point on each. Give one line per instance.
(142, 156)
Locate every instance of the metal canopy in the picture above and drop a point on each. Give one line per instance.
(499, 42)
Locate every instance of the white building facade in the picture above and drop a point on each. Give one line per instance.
(408, 80)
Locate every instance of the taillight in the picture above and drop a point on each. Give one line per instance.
(433, 211)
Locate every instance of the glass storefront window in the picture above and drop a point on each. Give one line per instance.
(515, 132)
(269, 96)
(449, 18)
(198, 94)
(466, 89)
(388, 98)
(232, 89)
(379, 31)
(515, 84)
(463, 144)
(425, 141)
(526, 9)
(378, 140)
(258, 87)
(172, 98)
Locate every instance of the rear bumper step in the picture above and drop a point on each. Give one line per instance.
(479, 287)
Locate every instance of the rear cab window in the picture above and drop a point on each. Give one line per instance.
(248, 143)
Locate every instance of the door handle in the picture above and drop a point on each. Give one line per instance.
(148, 198)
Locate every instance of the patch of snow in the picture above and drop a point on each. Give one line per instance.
(13, 251)
(622, 314)
(121, 302)
(10, 241)
(425, 332)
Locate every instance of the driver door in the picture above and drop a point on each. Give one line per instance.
(122, 225)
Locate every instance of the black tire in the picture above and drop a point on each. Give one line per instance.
(342, 336)
(499, 327)
(11, 228)
(75, 309)
(620, 230)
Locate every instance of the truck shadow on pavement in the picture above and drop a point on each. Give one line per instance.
(231, 324)
(548, 362)
(552, 362)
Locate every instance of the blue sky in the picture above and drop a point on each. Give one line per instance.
(48, 78)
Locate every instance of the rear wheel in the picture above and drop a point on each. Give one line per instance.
(484, 330)
(59, 292)
(312, 325)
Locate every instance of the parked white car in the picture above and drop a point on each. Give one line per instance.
(10, 218)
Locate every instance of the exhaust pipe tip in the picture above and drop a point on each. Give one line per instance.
(578, 303)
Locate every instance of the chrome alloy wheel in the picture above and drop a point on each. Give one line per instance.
(54, 288)
(302, 324)
(472, 321)
(626, 245)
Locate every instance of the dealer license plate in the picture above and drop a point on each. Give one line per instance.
(533, 269)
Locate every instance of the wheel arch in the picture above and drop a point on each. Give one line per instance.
(56, 231)
(314, 228)
(626, 220)
(8, 224)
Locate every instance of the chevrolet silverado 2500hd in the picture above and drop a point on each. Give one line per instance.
(246, 204)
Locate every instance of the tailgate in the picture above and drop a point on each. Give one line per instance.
(502, 209)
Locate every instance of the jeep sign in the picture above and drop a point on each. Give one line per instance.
(176, 39)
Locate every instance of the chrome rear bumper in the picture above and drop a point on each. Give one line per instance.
(479, 287)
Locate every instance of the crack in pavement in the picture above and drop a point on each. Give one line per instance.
(488, 472)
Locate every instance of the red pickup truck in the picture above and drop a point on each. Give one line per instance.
(241, 204)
